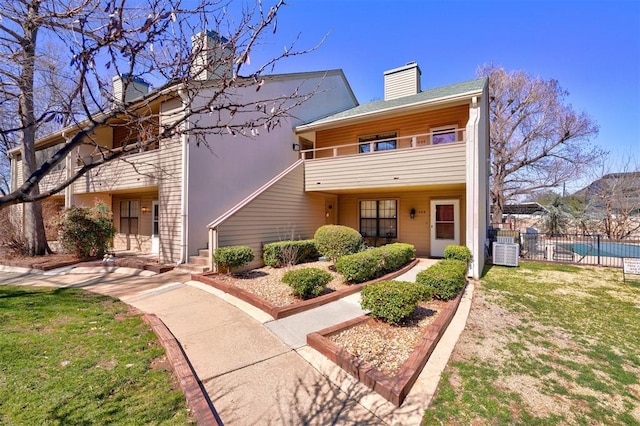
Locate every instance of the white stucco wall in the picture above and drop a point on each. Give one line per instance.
(231, 168)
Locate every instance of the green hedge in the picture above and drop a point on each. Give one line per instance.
(391, 301)
(228, 258)
(86, 232)
(458, 253)
(447, 278)
(334, 241)
(374, 262)
(289, 253)
(307, 282)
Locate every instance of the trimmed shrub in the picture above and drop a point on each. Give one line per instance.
(86, 232)
(447, 278)
(334, 241)
(228, 258)
(374, 262)
(307, 282)
(391, 301)
(397, 255)
(289, 253)
(361, 267)
(458, 253)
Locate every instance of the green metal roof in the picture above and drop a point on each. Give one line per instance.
(423, 97)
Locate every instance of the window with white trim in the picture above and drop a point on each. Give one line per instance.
(444, 134)
(379, 218)
(380, 142)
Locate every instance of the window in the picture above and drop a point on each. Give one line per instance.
(129, 213)
(387, 142)
(445, 222)
(444, 134)
(379, 218)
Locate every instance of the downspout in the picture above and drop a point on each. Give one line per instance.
(472, 192)
(213, 245)
(184, 188)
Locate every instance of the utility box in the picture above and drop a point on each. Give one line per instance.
(506, 254)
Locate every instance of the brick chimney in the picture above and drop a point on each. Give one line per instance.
(401, 82)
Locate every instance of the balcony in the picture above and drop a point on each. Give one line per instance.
(417, 161)
(131, 172)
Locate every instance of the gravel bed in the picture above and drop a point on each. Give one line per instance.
(380, 344)
(266, 282)
(387, 346)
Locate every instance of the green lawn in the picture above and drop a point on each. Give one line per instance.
(72, 357)
(546, 344)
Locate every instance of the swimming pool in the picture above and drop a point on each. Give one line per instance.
(607, 249)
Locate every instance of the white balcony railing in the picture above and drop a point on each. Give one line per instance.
(438, 138)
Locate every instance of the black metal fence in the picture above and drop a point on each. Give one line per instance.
(578, 249)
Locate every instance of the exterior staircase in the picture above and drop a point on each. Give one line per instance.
(197, 264)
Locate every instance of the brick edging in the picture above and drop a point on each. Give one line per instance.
(395, 388)
(278, 312)
(198, 401)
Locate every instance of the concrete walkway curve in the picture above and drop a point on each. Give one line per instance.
(258, 371)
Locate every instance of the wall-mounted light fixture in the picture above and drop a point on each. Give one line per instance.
(295, 147)
(146, 210)
(412, 213)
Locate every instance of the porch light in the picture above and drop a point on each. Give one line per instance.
(145, 210)
(295, 147)
(412, 213)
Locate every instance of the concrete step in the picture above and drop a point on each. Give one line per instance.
(198, 260)
(203, 253)
(195, 269)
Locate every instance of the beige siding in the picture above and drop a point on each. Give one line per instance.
(413, 231)
(280, 211)
(18, 175)
(135, 171)
(430, 165)
(403, 83)
(53, 179)
(170, 200)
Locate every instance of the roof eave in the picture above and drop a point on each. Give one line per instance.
(407, 107)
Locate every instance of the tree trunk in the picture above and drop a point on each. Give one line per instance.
(35, 235)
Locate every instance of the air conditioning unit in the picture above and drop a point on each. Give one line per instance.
(506, 254)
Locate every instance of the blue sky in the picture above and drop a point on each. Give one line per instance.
(591, 47)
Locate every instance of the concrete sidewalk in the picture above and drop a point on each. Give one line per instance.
(257, 370)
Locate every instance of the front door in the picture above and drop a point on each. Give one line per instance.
(445, 225)
(155, 241)
(330, 211)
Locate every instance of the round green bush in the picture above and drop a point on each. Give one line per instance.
(447, 278)
(307, 282)
(458, 253)
(228, 258)
(391, 301)
(334, 241)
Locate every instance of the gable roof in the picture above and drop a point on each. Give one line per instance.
(443, 93)
(524, 208)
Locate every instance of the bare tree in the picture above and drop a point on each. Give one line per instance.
(135, 40)
(612, 201)
(537, 140)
